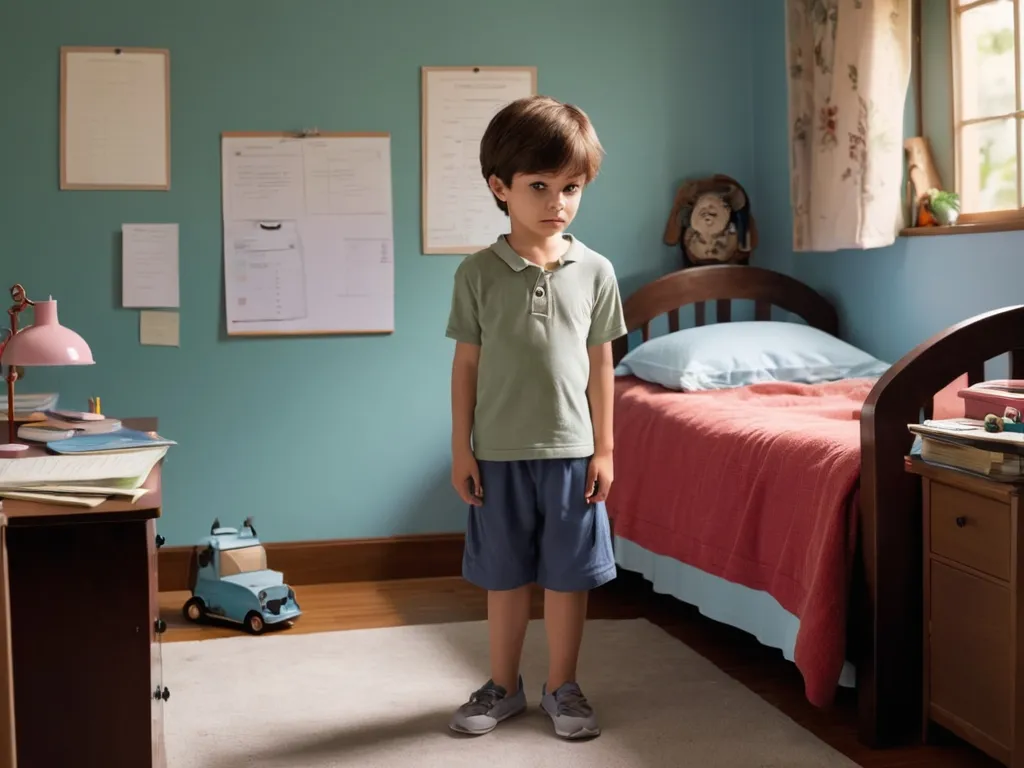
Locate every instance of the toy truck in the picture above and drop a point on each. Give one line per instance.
(231, 582)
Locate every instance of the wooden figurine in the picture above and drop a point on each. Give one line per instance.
(711, 220)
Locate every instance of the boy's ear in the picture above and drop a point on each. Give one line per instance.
(498, 187)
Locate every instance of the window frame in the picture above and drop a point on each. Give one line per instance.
(1009, 216)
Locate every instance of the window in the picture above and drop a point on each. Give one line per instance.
(987, 107)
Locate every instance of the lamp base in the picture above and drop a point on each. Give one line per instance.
(13, 451)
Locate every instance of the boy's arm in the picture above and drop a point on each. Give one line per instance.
(464, 373)
(607, 325)
(464, 328)
(599, 393)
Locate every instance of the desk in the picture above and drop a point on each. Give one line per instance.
(84, 633)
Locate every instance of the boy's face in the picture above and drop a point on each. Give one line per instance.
(543, 204)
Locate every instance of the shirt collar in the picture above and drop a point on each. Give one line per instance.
(518, 263)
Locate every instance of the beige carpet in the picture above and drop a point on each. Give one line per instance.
(382, 698)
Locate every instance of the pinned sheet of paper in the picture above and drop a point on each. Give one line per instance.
(159, 328)
(149, 265)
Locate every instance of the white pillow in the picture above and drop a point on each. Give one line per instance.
(727, 355)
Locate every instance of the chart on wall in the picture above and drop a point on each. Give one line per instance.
(458, 210)
(308, 233)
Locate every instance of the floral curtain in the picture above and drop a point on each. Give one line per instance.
(849, 70)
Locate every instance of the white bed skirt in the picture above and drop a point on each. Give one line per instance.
(752, 611)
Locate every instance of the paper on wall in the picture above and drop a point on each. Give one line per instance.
(149, 265)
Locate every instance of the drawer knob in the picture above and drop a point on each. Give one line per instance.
(961, 522)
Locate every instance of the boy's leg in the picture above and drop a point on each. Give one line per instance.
(565, 614)
(508, 614)
(500, 556)
(575, 557)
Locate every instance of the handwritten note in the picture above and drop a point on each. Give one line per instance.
(459, 212)
(264, 180)
(149, 265)
(115, 127)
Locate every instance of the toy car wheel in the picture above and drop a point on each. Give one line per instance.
(254, 623)
(194, 609)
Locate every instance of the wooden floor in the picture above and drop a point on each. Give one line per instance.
(331, 607)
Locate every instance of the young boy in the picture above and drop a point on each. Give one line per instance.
(533, 317)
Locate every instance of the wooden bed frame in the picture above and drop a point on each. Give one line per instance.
(885, 600)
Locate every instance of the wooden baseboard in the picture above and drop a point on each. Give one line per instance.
(339, 560)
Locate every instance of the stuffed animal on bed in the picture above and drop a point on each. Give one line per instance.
(711, 220)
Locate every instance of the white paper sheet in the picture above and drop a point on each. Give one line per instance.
(149, 265)
(115, 119)
(159, 328)
(459, 212)
(133, 467)
(308, 234)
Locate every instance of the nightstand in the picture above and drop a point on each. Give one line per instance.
(973, 681)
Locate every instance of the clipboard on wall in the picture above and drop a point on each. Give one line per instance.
(308, 233)
(459, 215)
(115, 118)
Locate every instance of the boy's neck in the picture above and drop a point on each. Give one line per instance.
(540, 251)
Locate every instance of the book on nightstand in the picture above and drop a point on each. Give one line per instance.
(980, 461)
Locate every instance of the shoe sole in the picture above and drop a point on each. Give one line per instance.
(577, 735)
(466, 731)
(582, 733)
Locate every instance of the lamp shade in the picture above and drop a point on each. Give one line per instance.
(47, 342)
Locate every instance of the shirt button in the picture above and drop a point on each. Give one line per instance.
(539, 293)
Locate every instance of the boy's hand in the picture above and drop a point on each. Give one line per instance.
(466, 478)
(600, 474)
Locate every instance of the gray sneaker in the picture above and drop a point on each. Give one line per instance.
(487, 707)
(570, 711)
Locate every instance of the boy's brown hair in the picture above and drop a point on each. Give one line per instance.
(538, 134)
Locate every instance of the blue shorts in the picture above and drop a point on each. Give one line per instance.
(535, 525)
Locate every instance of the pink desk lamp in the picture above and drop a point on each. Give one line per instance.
(45, 343)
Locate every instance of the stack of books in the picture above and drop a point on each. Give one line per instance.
(963, 444)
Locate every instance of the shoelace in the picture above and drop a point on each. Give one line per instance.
(571, 701)
(482, 701)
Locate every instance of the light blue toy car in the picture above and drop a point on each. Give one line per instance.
(231, 582)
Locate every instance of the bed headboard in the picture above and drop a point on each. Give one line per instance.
(722, 284)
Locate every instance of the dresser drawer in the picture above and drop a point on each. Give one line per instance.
(970, 670)
(970, 529)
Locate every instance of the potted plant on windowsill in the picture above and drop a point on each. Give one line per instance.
(939, 208)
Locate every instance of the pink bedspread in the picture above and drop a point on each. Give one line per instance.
(753, 485)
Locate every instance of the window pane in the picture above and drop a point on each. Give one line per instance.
(987, 61)
(989, 166)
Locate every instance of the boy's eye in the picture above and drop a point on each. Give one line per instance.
(572, 188)
(538, 185)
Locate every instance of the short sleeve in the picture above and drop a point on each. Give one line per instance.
(607, 322)
(464, 317)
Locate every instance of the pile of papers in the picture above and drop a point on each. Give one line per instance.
(85, 470)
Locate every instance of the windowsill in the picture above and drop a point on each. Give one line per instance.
(975, 228)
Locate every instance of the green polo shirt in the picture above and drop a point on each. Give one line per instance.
(534, 327)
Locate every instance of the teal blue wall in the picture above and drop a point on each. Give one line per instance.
(889, 299)
(338, 437)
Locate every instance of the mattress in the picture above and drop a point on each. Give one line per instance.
(753, 611)
(756, 486)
